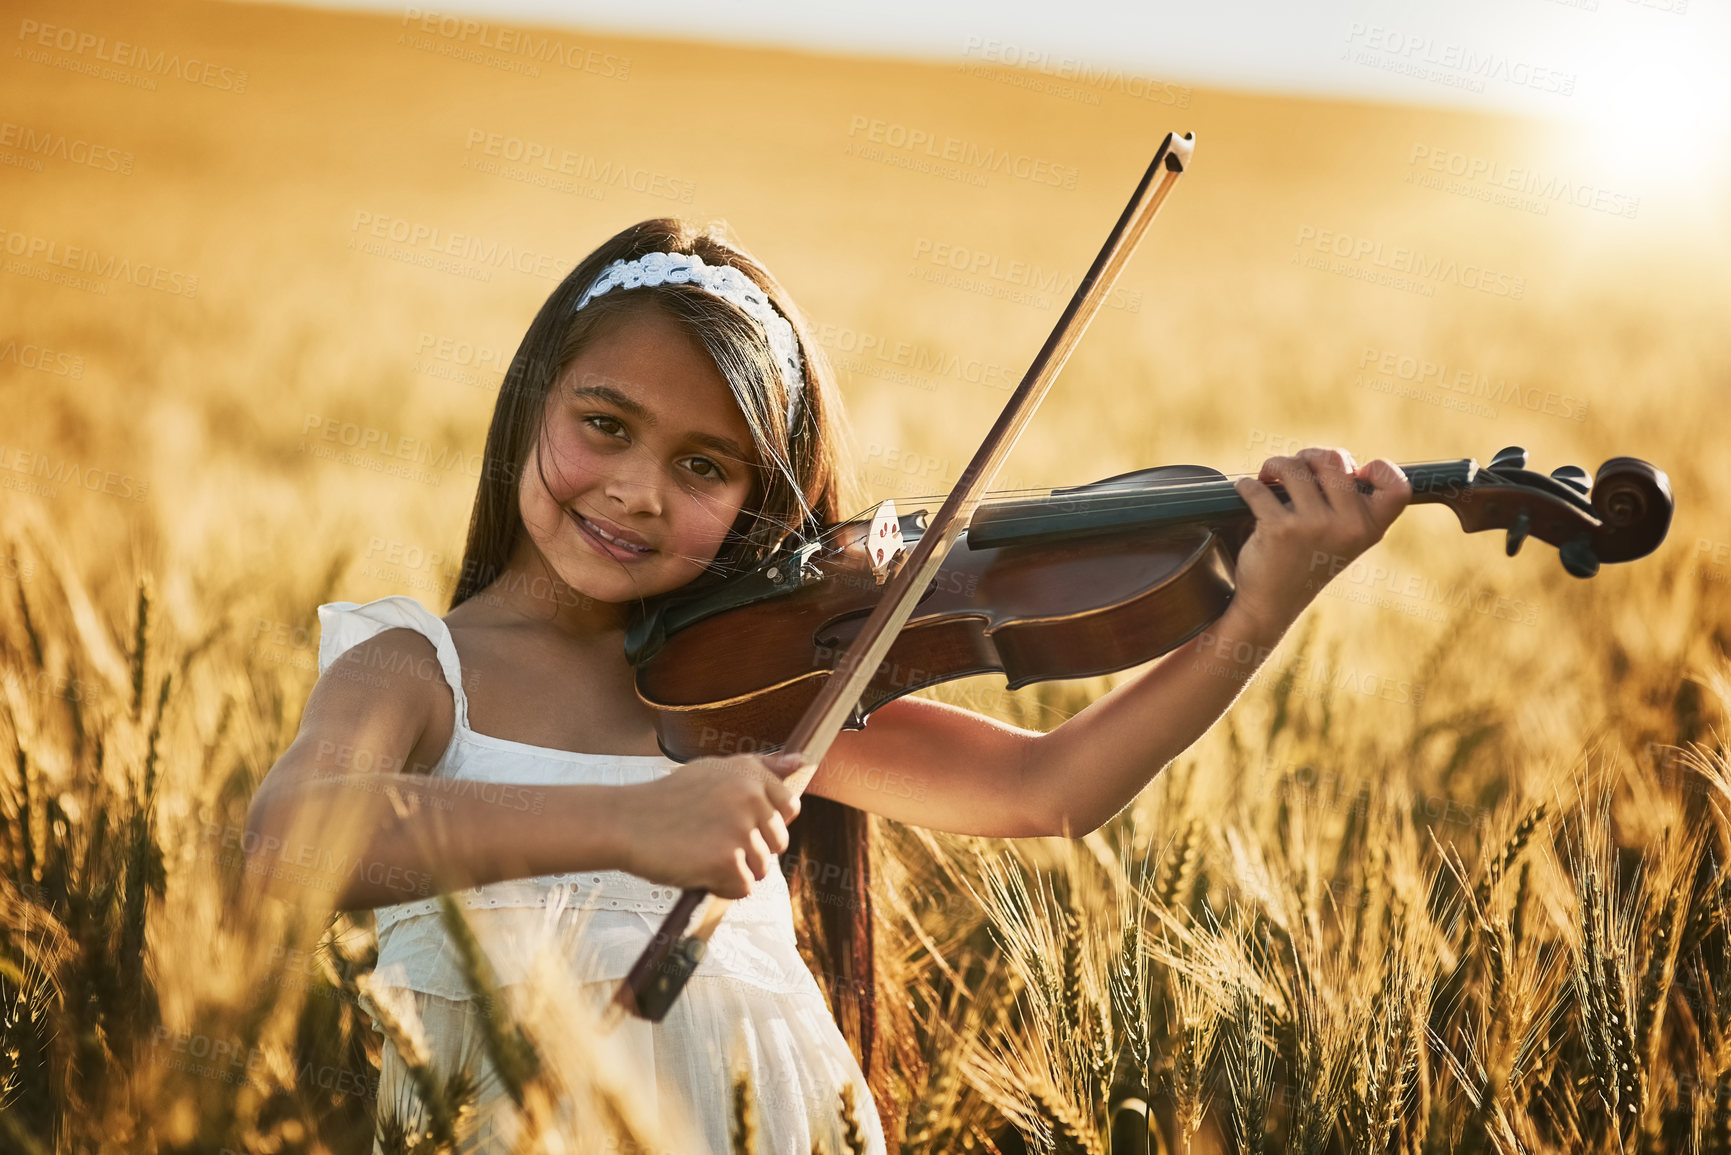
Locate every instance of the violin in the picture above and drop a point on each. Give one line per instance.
(1066, 583)
(1062, 584)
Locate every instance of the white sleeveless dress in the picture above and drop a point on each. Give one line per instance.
(752, 981)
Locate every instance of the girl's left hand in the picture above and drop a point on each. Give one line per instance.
(1297, 547)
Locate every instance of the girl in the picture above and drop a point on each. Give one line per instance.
(668, 422)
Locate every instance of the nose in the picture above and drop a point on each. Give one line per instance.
(635, 487)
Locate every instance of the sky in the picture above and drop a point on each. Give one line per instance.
(1652, 72)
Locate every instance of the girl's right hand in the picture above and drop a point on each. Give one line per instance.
(712, 823)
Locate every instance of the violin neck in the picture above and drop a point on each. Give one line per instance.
(1173, 505)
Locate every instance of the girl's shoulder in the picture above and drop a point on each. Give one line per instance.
(344, 626)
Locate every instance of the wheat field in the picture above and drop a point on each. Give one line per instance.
(1449, 877)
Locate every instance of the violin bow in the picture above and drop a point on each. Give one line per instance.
(659, 974)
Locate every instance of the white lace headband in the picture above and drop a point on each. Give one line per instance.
(722, 281)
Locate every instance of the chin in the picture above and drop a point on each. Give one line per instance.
(599, 584)
(593, 578)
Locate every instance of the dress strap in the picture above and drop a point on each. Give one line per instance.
(344, 625)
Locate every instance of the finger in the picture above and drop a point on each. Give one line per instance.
(755, 770)
(775, 833)
(757, 855)
(1333, 470)
(1391, 491)
(1295, 475)
(783, 763)
(737, 884)
(785, 801)
(1260, 499)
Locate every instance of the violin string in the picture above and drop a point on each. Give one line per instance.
(1205, 492)
(1199, 487)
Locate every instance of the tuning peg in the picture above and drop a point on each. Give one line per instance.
(1574, 477)
(1578, 558)
(1518, 532)
(1510, 457)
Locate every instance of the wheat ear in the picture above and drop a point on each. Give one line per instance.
(1070, 1131)
(140, 638)
(1661, 970)
(853, 1134)
(396, 1015)
(1176, 879)
(513, 1058)
(1631, 1081)
(1517, 841)
(742, 1135)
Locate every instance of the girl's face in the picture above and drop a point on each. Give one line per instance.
(643, 441)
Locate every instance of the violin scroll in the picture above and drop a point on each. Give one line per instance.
(1635, 501)
(1621, 513)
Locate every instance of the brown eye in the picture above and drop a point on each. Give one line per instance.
(715, 472)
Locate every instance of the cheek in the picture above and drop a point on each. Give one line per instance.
(563, 468)
(705, 521)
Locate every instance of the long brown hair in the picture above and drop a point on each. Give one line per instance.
(803, 486)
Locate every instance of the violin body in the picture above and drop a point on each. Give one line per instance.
(1067, 584)
(1031, 613)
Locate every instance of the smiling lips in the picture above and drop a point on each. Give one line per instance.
(617, 546)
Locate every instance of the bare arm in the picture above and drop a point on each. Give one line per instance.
(372, 840)
(349, 814)
(950, 769)
(1093, 765)
(946, 768)
(348, 810)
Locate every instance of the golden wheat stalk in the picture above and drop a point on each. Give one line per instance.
(513, 1058)
(1012, 1073)
(942, 1119)
(1178, 877)
(1195, 1043)
(140, 639)
(1071, 1131)
(1619, 997)
(583, 1072)
(742, 1124)
(1669, 913)
(853, 1134)
(395, 1011)
(1250, 1068)
(1511, 850)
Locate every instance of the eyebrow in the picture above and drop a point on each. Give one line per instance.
(620, 400)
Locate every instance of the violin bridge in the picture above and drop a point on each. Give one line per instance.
(884, 543)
